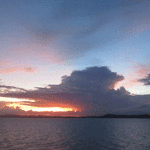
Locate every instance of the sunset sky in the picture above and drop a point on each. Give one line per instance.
(74, 57)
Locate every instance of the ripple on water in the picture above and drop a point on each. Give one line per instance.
(104, 134)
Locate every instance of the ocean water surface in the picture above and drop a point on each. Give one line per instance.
(74, 134)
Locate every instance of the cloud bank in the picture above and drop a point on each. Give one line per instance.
(91, 91)
(68, 30)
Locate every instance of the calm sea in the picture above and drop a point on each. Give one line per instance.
(74, 134)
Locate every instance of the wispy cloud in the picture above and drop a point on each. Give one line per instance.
(73, 29)
(142, 70)
(9, 89)
(17, 69)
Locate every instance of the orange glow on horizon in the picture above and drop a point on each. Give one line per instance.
(41, 109)
(6, 99)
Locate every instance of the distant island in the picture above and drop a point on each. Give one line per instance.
(105, 116)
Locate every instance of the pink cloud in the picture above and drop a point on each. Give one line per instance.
(135, 73)
(9, 66)
(142, 70)
(36, 51)
(17, 69)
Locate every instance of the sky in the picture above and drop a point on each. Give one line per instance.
(74, 58)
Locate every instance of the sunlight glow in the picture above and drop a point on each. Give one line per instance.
(5, 99)
(40, 109)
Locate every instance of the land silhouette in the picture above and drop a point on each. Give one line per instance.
(104, 116)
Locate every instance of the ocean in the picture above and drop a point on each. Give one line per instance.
(74, 134)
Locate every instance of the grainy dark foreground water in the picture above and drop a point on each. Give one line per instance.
(74, 134)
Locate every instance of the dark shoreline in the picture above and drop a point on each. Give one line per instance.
(105, 116)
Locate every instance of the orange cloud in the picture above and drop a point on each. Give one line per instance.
(8, 66)
(40, 109)
(24, 108)
(17, 69)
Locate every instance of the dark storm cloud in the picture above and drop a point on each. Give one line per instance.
(93, 78)
(10, 110)
(137, 110)
(90, 90)
(146, 80)
(141, 105)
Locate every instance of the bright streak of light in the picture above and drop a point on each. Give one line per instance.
(5, 99)
(40, 109)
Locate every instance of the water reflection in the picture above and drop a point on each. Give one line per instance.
(132, 133)
(84, 134)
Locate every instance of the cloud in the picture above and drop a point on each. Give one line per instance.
(9, 89)
(91, 91)
(138, 110)
(142, 70)
(17, 69)
(70, 30)
(93, 78)
(134, 75)
(145, 80)
(8, 66)
(11, 110)
(6, 110)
